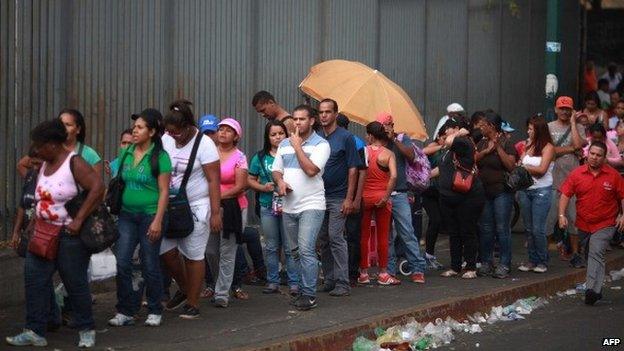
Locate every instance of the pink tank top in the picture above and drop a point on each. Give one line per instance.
(228, 174)
(54, 191)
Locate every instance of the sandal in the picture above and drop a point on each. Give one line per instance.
(207, 293)
(240, 294)
(469, 275)
(449, 273)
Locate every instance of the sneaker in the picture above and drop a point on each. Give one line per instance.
(121, 320)
(327, 287)
(540, 268)
(526, 267)
(293, 291)
(153, 320)
(387, 279)
(432, 263)
(221, 302)
(501, 272)
(591, 297)
(87, 338)
(364, 278)
(577, 261)
(27, 338)
(294, 299)
(485, 270)
(418, 278)
(189, 312)
(271, 289)
(306, 303)
(178, 300)
(340, 291)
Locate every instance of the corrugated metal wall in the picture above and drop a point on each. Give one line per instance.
(111, 58)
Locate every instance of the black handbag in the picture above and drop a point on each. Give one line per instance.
(180, 217)
(116, 186)
(99, 230)
(28, 204)
(518, 179)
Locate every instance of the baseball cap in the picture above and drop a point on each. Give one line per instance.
(384, 118)
(506, 127)
(231, 122)
(208, 123)
(454, 107)
(565, 101)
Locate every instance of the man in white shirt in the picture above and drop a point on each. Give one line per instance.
(298, 174)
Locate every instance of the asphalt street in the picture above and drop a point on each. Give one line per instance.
(566, 323)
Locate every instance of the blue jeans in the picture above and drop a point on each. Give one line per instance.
(534, 205)
(496, 223)
(132, 232)
(72, 263)
(272, 228)
(302, 230)
(403, 228)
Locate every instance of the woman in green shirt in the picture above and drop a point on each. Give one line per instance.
(76, 130)
(260, 179)
(146, 171)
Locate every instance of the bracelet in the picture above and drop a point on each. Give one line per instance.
(561, 215)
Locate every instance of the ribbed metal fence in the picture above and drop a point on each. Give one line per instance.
(111, 58)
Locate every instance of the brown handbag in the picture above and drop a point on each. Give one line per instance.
(45, 241)
(463, 177)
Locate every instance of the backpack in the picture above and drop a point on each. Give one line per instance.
(418, 170)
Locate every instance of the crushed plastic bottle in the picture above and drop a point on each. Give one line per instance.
(422, 343)
(379, 331)
(392, 334)
(477, 318)
(616, 288)
(570, 292)
(363, 344)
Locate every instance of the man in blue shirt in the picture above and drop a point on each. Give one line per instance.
(402, 225)
(340, 180)
(353, 224)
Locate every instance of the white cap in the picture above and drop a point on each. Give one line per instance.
(454, 107)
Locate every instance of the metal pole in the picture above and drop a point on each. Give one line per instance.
(553, 51)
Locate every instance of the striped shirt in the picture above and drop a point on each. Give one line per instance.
(308, 193)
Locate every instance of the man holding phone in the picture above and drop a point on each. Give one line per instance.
(298, 174)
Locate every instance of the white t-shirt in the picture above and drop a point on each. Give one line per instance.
(197, 189)
(308, 192)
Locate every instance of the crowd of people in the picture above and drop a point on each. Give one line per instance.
(330, 205)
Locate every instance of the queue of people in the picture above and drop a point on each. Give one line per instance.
(327, 201)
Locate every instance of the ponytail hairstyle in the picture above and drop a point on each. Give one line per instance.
(79, 120)
(152, 118)
(377, 131)
(180, 114)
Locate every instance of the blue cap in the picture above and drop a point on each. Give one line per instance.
(208, 123)
(506, 127)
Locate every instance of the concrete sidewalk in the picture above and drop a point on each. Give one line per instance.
(268, 321)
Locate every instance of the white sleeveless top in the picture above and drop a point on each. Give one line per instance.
(546, 179)
(54, 191)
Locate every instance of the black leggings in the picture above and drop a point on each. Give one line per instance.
(431, 203)
(461, 217)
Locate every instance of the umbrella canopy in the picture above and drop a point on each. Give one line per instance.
(362, 93)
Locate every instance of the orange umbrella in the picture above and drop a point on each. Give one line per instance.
(363, 92)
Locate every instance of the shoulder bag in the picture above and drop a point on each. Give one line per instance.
(179, 213)
(463, 178)
(114, 193)
(98, 231)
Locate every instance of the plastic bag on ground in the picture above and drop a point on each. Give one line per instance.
(392, 334)
(102, 265)
(617, 275)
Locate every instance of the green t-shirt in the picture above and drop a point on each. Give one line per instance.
(88, 154)
(263, 172)
(140, 193)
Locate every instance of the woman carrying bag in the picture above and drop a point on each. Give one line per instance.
(184, 142)
(146, 172)
(55, 242)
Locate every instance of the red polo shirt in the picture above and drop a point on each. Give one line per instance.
(597, 197)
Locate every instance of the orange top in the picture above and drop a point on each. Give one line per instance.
(376, 180)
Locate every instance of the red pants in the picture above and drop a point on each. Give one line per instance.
(383, 216)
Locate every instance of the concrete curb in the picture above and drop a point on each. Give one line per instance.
(341, 337)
